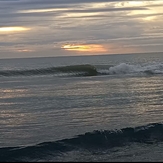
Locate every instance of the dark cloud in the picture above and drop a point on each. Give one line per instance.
(71, 1)
(106, 10)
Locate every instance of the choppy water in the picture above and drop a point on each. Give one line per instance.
(90, 108)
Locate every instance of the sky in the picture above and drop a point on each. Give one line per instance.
(49, 28)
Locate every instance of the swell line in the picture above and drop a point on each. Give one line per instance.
(89, 70)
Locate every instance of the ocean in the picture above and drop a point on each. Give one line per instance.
(82, 108)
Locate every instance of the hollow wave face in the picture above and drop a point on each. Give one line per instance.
(73, 70)
(90, 141)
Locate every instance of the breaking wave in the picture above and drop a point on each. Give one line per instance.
(91, 141)
(89, 70)
(124, 68)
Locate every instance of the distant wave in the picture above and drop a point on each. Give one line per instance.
(89, 70)
(96, 140)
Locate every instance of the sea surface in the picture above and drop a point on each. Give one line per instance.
(83, 108)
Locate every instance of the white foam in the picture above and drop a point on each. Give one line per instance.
(124, 68)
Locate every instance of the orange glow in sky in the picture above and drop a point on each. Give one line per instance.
(25, 50)
(12, 29)
(84, 48)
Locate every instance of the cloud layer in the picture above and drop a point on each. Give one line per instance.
(116, 26)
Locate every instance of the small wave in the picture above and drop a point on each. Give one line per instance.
(107, 139)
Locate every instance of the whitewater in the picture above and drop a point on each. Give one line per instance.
(82, 108)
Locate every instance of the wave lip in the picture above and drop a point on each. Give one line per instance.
(96, 140)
